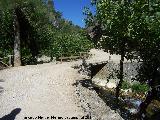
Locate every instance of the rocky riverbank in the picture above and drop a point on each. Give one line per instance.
(92, 104)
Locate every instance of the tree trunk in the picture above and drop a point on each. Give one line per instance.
(17, 46)
(120, 75)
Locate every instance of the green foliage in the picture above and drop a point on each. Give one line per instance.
(31, 15)
(27, 58)
(69, 44)
(148, 38)
(43, 31)
(136, 87)
(140, 88)
(113, 18)
(126, 85)
(128, 28)
(6, 32)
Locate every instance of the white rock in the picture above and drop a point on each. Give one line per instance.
(102, 83)
(44, 59)
(111, 85)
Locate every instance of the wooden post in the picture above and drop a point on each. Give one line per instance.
(61, 58)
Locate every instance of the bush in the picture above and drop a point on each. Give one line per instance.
(126, 85)
(70, 45)
(137, 87)
(27, 58)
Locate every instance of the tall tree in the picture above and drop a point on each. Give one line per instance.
(129, 26)
(8, 5)
(17, 41)
(30, 14)
(44, 31)
(113, 18)
(148, 38)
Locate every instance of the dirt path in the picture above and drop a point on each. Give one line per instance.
(44, 90)
(47, 91)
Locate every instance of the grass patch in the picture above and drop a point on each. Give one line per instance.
(136, 87)
(126, 85)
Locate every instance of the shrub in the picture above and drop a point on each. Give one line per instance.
(137, 87)
(126, 85)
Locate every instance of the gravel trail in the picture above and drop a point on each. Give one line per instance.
(39, 90)
(48, 91)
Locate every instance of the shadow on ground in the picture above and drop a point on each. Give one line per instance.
(12, 115)
(1, 80)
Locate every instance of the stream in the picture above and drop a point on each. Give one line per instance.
(127, 108)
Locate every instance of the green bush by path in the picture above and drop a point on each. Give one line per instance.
(136, 87)
(126, 85)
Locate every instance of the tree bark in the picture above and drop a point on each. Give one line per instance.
(17, 46)
(120, 74)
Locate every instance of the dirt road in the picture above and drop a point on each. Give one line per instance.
(46, 91)
(41, 90)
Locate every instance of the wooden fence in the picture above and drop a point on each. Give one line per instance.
(72, 57)
(9, 62)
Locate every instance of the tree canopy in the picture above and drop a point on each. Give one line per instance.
(43, 30)
(128, 28)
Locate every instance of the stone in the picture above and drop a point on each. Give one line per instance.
(111, 85)
(44, 59)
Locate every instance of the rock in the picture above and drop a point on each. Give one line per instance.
(102, 83)
(111, 85)
(44, 59)
(99, 82)
(94, 106)
(133, 111)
